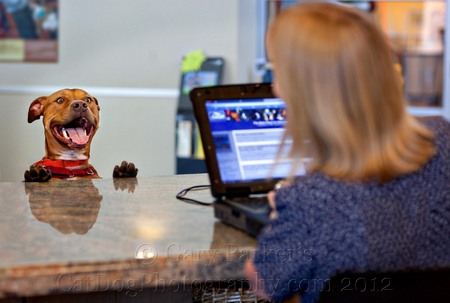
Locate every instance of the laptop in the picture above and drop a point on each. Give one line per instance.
(241, 127)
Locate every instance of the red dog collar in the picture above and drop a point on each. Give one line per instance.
(63, 169)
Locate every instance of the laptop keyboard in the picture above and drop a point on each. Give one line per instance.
(253, 202)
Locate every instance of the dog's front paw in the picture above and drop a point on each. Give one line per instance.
(37, 173)
(125, 170)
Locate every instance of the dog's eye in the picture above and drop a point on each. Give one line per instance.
(60, 100)
(88, 100)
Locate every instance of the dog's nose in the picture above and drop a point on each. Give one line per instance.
(79, 106)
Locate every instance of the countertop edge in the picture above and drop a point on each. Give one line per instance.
(118, 275)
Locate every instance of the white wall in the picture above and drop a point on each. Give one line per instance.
(125, 53)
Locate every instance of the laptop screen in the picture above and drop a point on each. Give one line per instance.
(247, 135)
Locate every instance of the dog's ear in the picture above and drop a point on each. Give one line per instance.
(36, 109)
(96, 102)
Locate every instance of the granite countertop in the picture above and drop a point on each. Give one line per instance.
(105, 234)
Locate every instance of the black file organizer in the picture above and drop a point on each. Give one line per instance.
(186, 136)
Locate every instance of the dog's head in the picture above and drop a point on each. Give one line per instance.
(71, 119)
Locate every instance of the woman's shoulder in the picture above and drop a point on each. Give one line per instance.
(440, 126)
(441, 129)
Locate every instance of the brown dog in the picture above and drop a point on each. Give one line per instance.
(71, 119)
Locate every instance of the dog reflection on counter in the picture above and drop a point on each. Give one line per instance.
(70, 119)
(69, 209)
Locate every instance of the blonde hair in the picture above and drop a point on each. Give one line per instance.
(333, 68)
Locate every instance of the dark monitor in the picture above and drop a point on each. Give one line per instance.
(209, 74)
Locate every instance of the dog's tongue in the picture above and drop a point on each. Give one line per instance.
(78, 135)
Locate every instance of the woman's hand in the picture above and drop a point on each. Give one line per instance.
(272, 204)
(271, 198)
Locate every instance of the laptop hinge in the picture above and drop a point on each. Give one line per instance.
(238, 192)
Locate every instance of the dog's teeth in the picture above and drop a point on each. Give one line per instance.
(65, 134)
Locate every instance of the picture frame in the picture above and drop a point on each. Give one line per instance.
(29, 30)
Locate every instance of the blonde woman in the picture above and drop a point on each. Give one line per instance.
(377, 192)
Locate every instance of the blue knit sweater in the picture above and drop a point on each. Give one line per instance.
(326, 226)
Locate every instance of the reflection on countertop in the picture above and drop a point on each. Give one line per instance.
(76, 228)
(68, 209)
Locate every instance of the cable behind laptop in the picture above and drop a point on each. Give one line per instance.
(182, 195)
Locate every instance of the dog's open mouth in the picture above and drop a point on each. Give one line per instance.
(75, 134)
